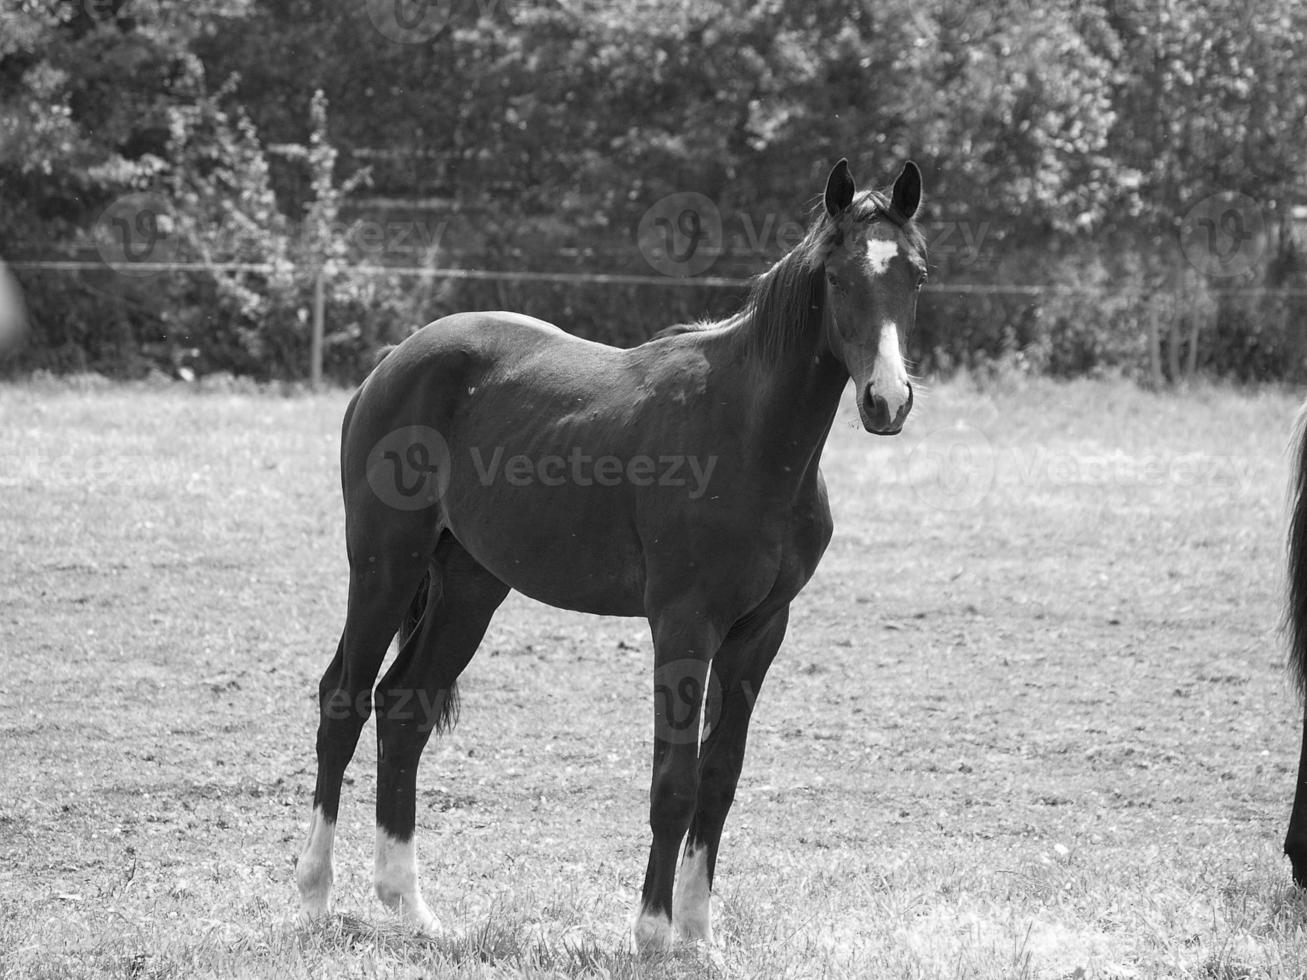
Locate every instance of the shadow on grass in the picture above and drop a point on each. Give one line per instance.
(502, 942)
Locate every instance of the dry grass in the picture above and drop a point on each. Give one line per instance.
(1031, 719)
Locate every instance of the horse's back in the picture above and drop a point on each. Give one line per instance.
(488, 335)
(475, 350)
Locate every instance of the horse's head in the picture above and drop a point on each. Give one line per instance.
(875, 263)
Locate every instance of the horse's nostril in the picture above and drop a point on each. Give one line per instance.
(907, 406)
(877, 408)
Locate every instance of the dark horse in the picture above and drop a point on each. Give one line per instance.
(1295, 621)
(677, 480)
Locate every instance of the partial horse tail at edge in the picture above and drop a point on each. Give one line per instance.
(1295, 613)
(415, 641)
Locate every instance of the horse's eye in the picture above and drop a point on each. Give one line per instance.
(921, 280)
(833, 279)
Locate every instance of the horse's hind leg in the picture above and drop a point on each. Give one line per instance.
(739, 669)
(445, 626)
(379, 591)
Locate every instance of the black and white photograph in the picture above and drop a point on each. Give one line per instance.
(623, 489)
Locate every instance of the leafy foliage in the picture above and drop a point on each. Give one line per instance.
(1067, 141)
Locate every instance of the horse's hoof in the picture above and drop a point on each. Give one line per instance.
(651, 934)
(422, 921)
(414, 913)
(313, 915)
(694, 929)
(315, 900)
(313, 880)
(307, 918)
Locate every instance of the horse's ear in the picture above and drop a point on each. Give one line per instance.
(907, 190)
(839, 189)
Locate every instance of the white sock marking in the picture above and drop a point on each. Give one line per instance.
(313, 872)
(396, 880)
(692, 896)
(651, 933)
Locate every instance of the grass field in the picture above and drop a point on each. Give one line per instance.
(1030, 721)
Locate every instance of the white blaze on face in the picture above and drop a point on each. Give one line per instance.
(879, 253)
(313, 872)
(889, 375)
(692, 896)
(396, 879)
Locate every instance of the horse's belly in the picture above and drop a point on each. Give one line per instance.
(585, 558)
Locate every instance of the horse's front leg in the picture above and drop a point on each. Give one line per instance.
(738, 670)
(1295, 841)
(684, 643)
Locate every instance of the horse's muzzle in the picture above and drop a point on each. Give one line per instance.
(875, 412)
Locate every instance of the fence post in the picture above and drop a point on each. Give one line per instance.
(1154, 344)
(315, 339)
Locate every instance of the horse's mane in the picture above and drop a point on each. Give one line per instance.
(784, 299)
(676, 329)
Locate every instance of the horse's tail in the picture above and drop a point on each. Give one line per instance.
(1295, 614)
(415, 641)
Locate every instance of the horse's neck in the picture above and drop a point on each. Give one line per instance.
(795, 397)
